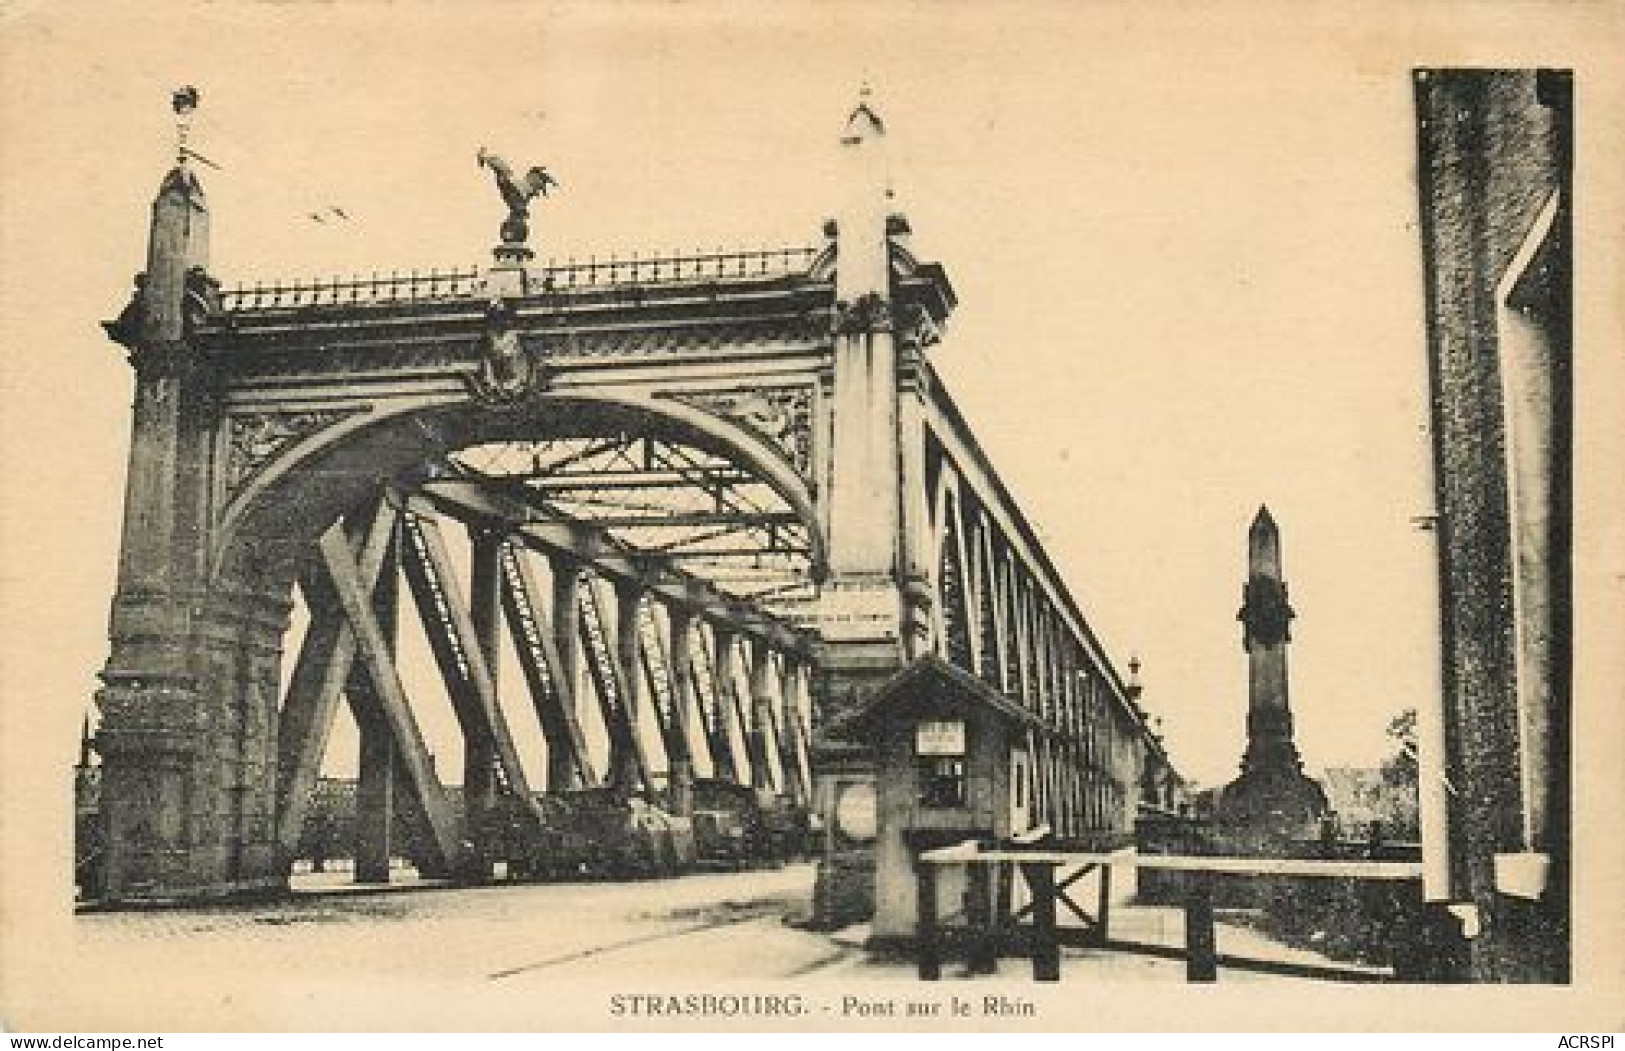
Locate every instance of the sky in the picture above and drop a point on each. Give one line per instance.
(1186, 259)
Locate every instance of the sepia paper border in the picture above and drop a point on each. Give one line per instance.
(39, 989)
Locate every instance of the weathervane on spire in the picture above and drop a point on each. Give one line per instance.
(866, 95)
(184, 102)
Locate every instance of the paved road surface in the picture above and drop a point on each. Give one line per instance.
(505, 956)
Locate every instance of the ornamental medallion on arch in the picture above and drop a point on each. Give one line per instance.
(781, 416)
(254, 439)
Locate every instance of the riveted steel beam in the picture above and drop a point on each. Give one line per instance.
(547, 531)
(320, 675)
(374, 653)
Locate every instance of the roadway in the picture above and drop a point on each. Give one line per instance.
(510, 956)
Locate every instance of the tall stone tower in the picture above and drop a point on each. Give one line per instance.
(190, 688)
(1272, 795)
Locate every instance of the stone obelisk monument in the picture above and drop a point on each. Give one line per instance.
(1272, 796)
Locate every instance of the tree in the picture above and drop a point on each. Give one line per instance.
(1397, 798)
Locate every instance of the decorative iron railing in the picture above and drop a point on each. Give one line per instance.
(676, 269)
(570, 274)
(415, 286)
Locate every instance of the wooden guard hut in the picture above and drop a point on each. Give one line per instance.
(952, 762)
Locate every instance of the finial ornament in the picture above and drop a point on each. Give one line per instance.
(183, 100)
(1134, 689)
(871, 123)
(517, 193)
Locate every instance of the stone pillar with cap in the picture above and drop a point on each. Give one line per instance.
(1272, 798)
(188, 701)
(861, 599)
(861, 616)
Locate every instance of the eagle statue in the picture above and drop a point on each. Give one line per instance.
(517, 193)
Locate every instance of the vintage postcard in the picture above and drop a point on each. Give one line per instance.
(934, 517)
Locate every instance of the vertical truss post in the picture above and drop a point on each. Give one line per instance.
(655, 664)
(1097, 787)
(629, 769)
(793, 729)
(703, 681)
(969, 586)
(1021, 610)
(479, 748)
(1003, 619)
(727, 712)
(1017, 641)
(1022, 604)
(485, 598)
(761, 721)
(1068, 744)
(1086, 751)
(803, 705)
(1069, 723)
(1080, 822)
(566, 574)
(629, 764)
(680, 667)
(981, 595)
(1057, 721)
(1049, 656)
(552, 689)
(1039, 693)
(1080, 737)
(1039, 641)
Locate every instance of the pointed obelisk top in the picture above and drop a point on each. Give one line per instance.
(1264, 545)
(1264, 520)
(178, 238)
(84, 742)
(863, 123)
(863, 267)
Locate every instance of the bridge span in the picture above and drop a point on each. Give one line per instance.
(709, 503)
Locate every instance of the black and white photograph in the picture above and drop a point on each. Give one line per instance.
(548, 517)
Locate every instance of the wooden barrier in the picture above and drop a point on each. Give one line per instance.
(1039, 868)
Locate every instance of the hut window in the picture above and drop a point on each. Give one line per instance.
(942, 781)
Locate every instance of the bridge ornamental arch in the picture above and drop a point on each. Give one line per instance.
(315, 465)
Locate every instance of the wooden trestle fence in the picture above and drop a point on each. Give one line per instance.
(990, 922)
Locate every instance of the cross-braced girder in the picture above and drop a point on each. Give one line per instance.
(1002, 613)
(656, 496)
(682, 482)
(671, 680)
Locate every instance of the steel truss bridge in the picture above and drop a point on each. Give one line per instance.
(709, 503)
